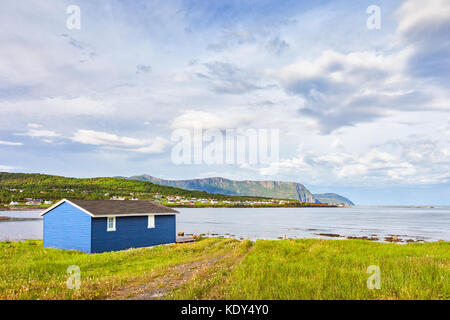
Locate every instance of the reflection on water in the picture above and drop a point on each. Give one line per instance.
(17, 230)
(272, 223)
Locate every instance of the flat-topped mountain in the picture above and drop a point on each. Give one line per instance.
(269, 189)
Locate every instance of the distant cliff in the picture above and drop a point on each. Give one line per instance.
(333, 198)
(270, 189)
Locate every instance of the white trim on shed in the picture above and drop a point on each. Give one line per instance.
(105, 215)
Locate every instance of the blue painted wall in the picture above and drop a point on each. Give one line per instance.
(67, 227)
(132, 232)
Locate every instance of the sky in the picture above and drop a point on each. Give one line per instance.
(362, 110)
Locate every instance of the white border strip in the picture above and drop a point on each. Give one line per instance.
(105, 215)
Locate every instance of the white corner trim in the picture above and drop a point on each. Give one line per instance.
(151, 224)
(73, 204)
(52, 207)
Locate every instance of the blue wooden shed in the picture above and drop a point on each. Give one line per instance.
(96, 226)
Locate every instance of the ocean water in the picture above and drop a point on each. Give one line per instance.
(427, 224)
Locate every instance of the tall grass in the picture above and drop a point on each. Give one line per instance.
(29, 271)
(333, 269)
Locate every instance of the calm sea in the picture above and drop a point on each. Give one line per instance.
(272, 223)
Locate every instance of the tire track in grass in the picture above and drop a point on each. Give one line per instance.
(157, 284)
(211, 283)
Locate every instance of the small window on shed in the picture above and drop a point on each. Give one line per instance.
(111, 224)
(151, 222)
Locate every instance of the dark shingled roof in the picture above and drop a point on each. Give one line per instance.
(116, 207)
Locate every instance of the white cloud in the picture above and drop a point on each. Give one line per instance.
(345, 89)
(157, 145)
(115, 142)
(221, 120)
(34, 125)
(35, 132)
(9, 143)
(415, 18)
(425, 28)
(104, 138)
(56, 106)
(415, 160)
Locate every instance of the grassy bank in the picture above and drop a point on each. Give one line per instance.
(230, 269)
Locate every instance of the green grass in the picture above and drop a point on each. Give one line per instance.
(28, 271)
(285, 269)
(334, 269)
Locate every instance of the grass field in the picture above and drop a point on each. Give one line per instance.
(230, 269)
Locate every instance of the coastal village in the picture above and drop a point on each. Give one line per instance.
(34, 191)
(172, 200)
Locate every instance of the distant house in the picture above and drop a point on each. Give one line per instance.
(13, 203)
(117, 198)
(34, 203)
(96, 226)
(48, 202)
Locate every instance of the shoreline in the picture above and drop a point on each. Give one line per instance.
(195, 206)
(390, 238)
(253, 206)
(31, 208)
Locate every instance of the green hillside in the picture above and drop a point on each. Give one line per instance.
(18, 186)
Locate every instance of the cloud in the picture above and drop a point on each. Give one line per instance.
(231, 119)
(56, 106)
(34, 125)
(346, 89)
(115, 142)
(104, 138)
(157, 145)
(227, 78)
(426, 29)
(35, 132)
(9, 143)
(414, 160)
(231, 38)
